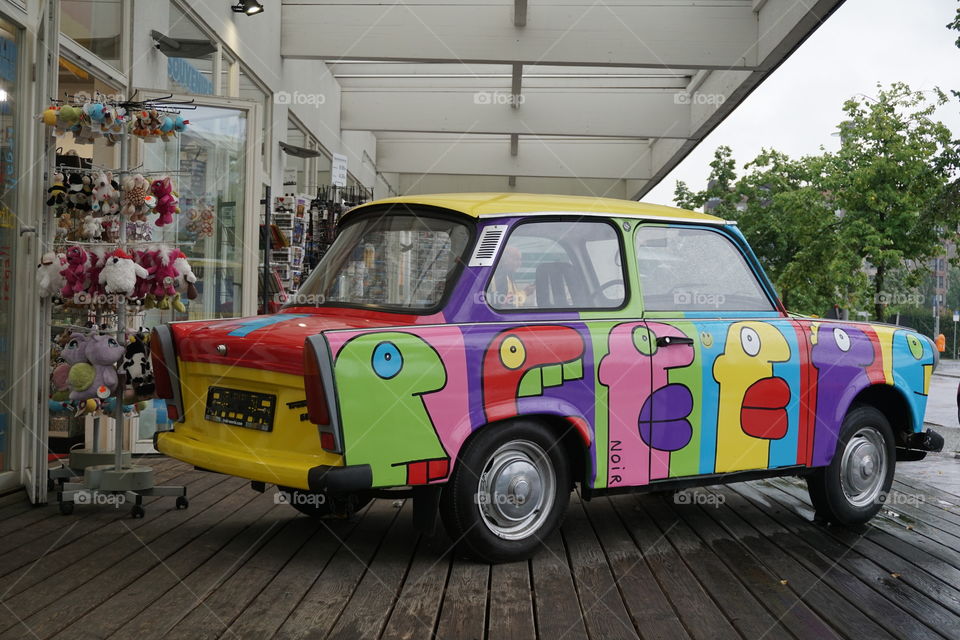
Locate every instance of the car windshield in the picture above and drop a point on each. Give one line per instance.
(395, 261)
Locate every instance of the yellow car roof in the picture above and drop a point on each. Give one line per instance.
(498, 204)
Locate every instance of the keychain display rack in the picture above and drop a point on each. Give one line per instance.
(108, 475)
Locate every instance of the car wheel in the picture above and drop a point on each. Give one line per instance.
(317, 504)
(853, 487)
(509, 490)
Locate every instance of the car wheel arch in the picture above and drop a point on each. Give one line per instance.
(569, 435)
(892, 403)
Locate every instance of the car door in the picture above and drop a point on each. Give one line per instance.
(725, 379)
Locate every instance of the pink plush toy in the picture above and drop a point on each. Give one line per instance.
(98, 260)
(75, 272)
(164, 279)
(149, 260)
(166, 205)
(120, 273)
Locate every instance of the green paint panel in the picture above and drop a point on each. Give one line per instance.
(573, 370)
(686, 461)
(531, 384)
(385, 424)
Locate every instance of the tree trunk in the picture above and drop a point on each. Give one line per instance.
(878, 300)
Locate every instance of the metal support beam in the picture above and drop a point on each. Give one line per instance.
(514, 144)
(542, 157)
(515, 86)
(613, 113)
(519, 13)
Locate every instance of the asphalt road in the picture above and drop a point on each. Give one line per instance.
(941, 413)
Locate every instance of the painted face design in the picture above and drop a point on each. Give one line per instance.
(647, 416)
(913, 358)
(752, 408)
(385, 422)
(521, 362)
(841, 355)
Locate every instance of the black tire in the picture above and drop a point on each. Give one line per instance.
(854, 486)
(66, 508)
(529, 455)
(182, 502)
(317, 504)
(137, 511)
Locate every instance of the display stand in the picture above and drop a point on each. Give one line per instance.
(107, 476)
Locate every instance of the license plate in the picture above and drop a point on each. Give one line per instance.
(246, 409)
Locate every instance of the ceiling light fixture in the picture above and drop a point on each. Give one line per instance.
(248, 7)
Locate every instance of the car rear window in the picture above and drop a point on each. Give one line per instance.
(402, 261)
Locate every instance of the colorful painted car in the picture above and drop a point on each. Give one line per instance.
(487, 353)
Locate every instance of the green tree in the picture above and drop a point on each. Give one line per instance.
(888, 180)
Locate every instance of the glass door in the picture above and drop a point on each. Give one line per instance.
(213, 168)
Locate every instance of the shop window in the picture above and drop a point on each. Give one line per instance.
(9, 59)
(96, 25)
(207, 163)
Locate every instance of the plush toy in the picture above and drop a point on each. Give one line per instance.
(120, 273)
(164, 280)
(179, 124)
(98, 260)
(102, 353)
(81, 373)
(137, 200)
(186, 280)
(105, 194)
(49, 279)
(166, 200)
(137, 366)
(57, 191)
(111, 228)
(60, 381)
(64, 226)
(95, 113)
(49, 116)
(75, 272)
(80, 191)
(68, 117)
(91, 229)
(149, 261)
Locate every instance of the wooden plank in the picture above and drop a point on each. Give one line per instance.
(243, 568)
(829, 569)
(54, 527)
(892, 564)
(604, 612)
(794, 614)
(745, 613)
(803, 585)
(648, 606)
(898, 538)
(463, 613)
(263, 616)
(193, 572)
(417, 610)
(80, 545)
(920, 616)
(700, 615)
(369, 608)
(120, 564)
(555, 596)
(945, 505)
(511, 602)
(319, 609)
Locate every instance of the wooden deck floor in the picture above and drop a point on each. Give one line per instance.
(739, 561)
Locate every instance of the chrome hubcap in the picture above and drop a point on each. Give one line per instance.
(516, 490)
(863, 467)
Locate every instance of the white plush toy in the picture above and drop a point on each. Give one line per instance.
(186, 279)
(120, 273)
(49, 280)
(91, 228)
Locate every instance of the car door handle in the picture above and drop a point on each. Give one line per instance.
(666, 341)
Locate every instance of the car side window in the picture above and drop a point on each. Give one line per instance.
(693, 269)
(558, 265)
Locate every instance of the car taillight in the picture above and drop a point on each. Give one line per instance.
(165, 374)
(318, 402)
(161, 375)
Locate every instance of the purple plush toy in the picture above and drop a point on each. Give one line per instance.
(102, 352)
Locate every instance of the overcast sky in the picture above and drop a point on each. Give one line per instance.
(797, 108)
